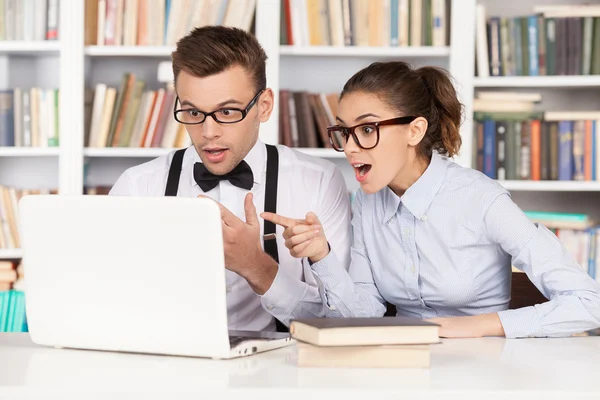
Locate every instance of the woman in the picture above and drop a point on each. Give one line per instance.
(431, 237)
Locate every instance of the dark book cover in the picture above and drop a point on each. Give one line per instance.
(334, 323)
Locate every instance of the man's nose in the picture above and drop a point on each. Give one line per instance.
(211, 128)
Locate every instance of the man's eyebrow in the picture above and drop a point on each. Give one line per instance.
(221, 104)
(229, 101)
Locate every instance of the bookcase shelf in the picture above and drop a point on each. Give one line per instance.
(538, 81)
(50, 47)
(129, 51)
(29, 151)
(552, 186)
(127, 152)
(351, 51)
(10, 253)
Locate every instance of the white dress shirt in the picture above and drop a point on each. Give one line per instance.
(305, 184)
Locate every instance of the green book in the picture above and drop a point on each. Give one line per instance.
(507, 115)
(557, 216)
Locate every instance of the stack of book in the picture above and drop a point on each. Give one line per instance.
(387, 342)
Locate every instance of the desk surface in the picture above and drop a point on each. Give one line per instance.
(460, 369)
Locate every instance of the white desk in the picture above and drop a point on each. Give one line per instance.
(482, 369)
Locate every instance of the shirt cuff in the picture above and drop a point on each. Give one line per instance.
(521, 323)
(283, 296)
(329, 271)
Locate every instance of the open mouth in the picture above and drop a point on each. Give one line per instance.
(361, 171)
(215, 154)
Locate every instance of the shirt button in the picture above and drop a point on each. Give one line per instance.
(424, 218)
(332, 308)
(228, 288)
(269, 308)
(412, 269)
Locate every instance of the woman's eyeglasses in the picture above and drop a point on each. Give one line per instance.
(366, 136)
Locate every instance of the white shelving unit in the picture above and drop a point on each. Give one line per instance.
(552, 186)
(10, 253)
(538, 82)
(379, 52)
(29, 152)
(29, 48)
(125, 152)
(129, 51)
(70, 65)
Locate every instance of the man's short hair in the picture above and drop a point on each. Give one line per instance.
(210, 50)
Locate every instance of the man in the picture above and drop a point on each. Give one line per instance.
(220, 82)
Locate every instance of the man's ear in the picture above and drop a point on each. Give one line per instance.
(416, 131)
(265, 104)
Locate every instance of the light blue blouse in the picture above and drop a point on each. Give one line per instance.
(445, 249)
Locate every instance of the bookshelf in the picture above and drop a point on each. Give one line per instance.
(7, 254)
(29, 48)
(71, 66)
(124, 152)
(129, 51)
(568, 82)
(551, 186)
(380, 52)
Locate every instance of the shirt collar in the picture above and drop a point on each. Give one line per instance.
(419, 196)
(256, 159)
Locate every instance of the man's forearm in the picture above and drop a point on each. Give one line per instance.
(262, 273)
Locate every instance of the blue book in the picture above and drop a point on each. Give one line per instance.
(592, 259)
(7, 124)
(394, 23)
(565, 150)
(166, 27)
(489, 148)
(532, 29)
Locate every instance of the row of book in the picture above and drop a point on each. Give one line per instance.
(12, 297)
(12, 311)
(364, 22)
(556, 40)
(159, 22)
(560, 146)
(304, 118)
(578, 233)
(9, 216)
(133, 116)
(29, 117)
(29, 20)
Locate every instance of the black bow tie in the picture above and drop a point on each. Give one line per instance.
(241, 176)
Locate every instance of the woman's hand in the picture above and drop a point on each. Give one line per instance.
(303, 237)
(470, 326)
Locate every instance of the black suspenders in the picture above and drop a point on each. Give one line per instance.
(270, 246)
(174, 173)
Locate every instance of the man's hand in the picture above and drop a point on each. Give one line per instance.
(243, 252)
(470, 326)
(304, 238)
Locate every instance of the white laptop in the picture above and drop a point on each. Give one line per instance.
(130, 274)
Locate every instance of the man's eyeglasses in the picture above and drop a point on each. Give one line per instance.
(366, 136)
(228, 115)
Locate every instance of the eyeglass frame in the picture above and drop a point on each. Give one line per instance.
(350, 129)
(211, 114)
